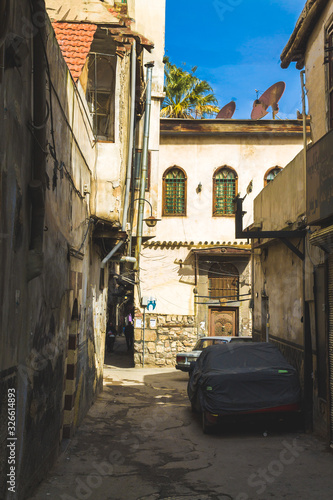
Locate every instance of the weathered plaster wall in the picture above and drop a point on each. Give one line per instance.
(279, 205)
(15, 166)
(200, 157)
(167, 269)
(316, 75)
(162, 277)
(112, 156)
(36, 317)
(150, 22)
(274, 270)
(283, 201)
(75, 10)
(279, 277)
(168, 273)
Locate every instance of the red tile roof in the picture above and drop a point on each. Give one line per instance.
(75, 41)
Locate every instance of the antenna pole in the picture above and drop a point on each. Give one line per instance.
(302, 74)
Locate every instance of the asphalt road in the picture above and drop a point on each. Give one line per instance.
(140, 441)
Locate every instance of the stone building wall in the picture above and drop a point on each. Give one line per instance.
(164, 336)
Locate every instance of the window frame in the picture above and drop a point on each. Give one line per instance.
(219, 169)
(94, 90)
(164, 214)
(266, 181)
(223, 280)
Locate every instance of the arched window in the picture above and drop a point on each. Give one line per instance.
(174, 192)
(224, 191)
(223, 281)
(271, 174)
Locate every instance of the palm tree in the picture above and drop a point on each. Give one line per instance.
(186, 95)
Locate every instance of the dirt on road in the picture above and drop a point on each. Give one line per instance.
(140, 441)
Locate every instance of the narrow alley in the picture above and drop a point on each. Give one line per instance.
(136, 200)
(140, 441)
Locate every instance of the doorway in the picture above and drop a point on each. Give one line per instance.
(223, 321)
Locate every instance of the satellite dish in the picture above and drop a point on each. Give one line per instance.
(271, 98)
(227, 111)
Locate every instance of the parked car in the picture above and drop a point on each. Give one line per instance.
(242, 378)
(184, 359)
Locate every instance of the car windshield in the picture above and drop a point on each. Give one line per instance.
(203, 343)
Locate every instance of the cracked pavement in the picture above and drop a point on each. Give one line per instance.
(140, 441)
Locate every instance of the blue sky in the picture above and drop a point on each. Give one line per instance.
(236, 45)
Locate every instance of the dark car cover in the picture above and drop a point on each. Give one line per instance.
(237, 377)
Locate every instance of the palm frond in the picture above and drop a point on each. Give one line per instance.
(186, 95)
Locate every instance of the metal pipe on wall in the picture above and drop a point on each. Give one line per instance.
(113, 251)
(144, 164)
(131, 137)
(308, 363)
(302, 74)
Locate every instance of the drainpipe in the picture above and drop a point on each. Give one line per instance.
(125, 258)
(110, 254)
(143, 336)
(131, 137)
(144, 164)
(308, 364)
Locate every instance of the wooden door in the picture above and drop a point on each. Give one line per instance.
(223, 321)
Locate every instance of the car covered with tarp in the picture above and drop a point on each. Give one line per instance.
(242, 378)
(184, 359)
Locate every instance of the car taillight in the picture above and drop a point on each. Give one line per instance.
(180, 359)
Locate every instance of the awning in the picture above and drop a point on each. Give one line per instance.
(323, 238)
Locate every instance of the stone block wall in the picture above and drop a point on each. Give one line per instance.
(164, 336)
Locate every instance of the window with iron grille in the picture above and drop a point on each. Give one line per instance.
(271, 174)
(329, 60)
(223, 281)
(101, 94)
(174, 192)
(224, 191)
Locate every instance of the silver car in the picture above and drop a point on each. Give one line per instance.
(184, 359)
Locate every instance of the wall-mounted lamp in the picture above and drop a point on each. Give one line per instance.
(199, 188)
(151, 221)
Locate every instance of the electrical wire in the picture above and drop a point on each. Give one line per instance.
(223, 296)
(211, 302)
(76, 90)
(39, 127)
(91, 220)
(52, 147)
(69, 126)
(307, 247)
(216, 273)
